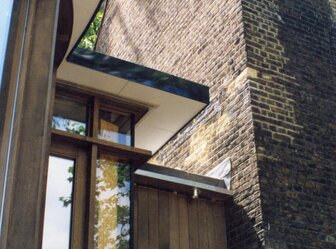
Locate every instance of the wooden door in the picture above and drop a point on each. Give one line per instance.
(166, 220)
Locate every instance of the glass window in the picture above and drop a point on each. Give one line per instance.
(115, 127)
(5, 17)
(101, 204)
(57, 216)
(112, 215)
(70, 116)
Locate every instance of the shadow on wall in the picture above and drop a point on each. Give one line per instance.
(304, 177)
(242, 229)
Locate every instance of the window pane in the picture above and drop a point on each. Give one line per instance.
(112, 216)
(70, 116)
(5, 16)
(115, 127)
(57, 216)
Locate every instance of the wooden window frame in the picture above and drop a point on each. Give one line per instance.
(79, 155)
(93, 146)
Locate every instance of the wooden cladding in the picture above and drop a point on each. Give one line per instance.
(166, 220)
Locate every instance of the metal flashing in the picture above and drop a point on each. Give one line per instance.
(180, 181)
(139, 74)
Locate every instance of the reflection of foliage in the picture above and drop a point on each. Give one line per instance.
(72, 127)
(55, 122)
(76, 128)
(68, 125)
(112, 214)
(68, 200)
(90, 37)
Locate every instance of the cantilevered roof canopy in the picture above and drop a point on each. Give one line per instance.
(180, 181)
(172, 101)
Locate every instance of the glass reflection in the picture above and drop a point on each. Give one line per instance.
(5, 16)
(69, 116)
(57, 216)
(112, 215)
(115, 127)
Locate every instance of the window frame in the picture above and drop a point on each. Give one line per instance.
(79, 154)
(93, 146)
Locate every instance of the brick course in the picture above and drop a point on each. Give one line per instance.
(270, 66)
(292, 46)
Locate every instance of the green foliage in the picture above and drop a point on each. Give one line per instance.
(76, 128)
(90, 37)
(68, 125)
(68, 200)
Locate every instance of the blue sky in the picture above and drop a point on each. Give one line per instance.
(5, 14)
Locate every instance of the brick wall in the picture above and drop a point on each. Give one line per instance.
(292, 46)
(270, 66)
(201, 41)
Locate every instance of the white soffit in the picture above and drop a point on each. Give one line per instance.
(69, 72)
(168, 112)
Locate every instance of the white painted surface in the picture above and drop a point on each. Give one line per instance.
(168, 112)
(222, 171)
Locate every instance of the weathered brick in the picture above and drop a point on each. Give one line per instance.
(271, 69)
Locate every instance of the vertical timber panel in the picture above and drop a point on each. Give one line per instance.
(174, 223)
(143, 218)
(219, 225)
(203, 224)
(153, 219)
(183, 222)
(163, 220)
(213, 243)
(193, 224)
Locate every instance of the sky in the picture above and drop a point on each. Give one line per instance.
(5, 14)
(57, 218)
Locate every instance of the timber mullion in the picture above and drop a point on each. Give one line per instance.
(22, 227)
(135, 217)
(95, 117)
(92, 195)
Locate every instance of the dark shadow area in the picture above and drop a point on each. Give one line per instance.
(300, 203)
(241, 228)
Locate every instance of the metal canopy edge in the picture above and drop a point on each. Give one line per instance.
(176, 180)
(139, 74)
